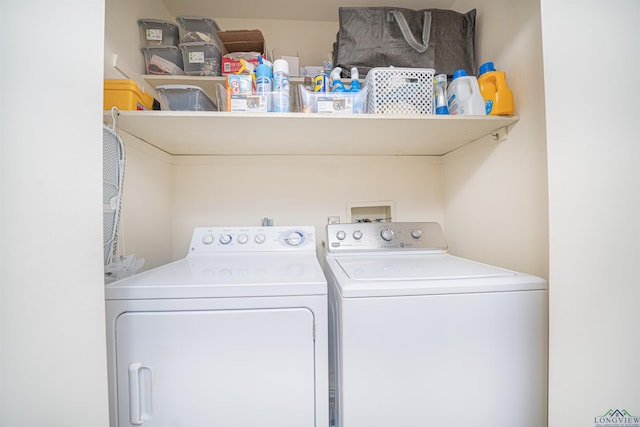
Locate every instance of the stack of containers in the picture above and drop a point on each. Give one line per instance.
(200, 45)
(159, 40)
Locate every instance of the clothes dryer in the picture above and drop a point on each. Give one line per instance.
(234, 334)
(421, 338)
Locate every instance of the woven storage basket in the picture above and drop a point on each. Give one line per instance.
(400, 91)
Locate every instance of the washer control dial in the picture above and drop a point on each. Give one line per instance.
(387, 234)
(225, 239)
(341, 235)
(260, 238)
(357, 234)
(207, 239)
(243, 238)
(294, 238)
(416, 233)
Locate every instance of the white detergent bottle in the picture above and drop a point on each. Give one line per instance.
(464, 94)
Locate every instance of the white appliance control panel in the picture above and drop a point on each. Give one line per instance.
(371, 236)
(252, 239)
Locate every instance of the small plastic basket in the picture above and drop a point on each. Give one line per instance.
(400, 91)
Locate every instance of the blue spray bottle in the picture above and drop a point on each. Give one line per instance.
(336, 83)
(355, 80)
(264, 77)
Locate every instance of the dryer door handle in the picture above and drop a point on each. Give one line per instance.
(140, 408)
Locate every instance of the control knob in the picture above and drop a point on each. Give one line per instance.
(341, 235)
(243, 238)
(294, 238)
(225, 239)
(260, 238)
(387, 234)
(207, 239)
(417, 233)
(357, 234)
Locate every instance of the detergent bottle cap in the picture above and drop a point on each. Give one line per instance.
(459, 73)
(486, 67)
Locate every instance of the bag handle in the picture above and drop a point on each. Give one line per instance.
(408, 35)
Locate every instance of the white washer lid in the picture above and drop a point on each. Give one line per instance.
(417, 274)
(226, 276)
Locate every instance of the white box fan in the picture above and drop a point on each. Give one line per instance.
(113, 162)
(113, 156)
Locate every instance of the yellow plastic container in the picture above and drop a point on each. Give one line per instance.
(126, 95)
(495, 91)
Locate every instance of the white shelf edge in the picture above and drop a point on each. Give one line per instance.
(225, 133)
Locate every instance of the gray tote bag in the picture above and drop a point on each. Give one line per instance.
(390, 36)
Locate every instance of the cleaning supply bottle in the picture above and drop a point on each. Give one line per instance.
(495, 91)
(440, 87)
(355, 80)
(281, 86)
(464, 95)
(264, 77)
(336, 83)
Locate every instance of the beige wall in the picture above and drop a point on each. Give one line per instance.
(494, 193)
(52, 317)
(297, 190)
(594, 206)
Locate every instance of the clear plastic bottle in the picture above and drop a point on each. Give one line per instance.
(464, 95)
(281, 86)
(495, 91)
(440, 87)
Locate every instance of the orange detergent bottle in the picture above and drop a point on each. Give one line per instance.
(495, 91)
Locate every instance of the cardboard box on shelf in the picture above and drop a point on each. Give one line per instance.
(240, 41)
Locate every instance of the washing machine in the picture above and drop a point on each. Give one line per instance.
(421, 338)
(232, 335)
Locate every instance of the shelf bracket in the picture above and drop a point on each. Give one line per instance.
(501, 134)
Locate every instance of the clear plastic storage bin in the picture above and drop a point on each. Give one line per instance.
(156, 32)
(163, 60)
(201, 59)
(252, 102)
(184, 98)
(198, 29)
(400, 90)
(333, 102)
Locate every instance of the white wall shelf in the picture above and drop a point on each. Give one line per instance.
(225, 133)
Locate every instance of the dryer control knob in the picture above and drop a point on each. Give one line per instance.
(260, 238)
(243, 238)
(341, 235)
(387, 234)
(416, 234)
(207, 239)
(225, 239)
(357, 234)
